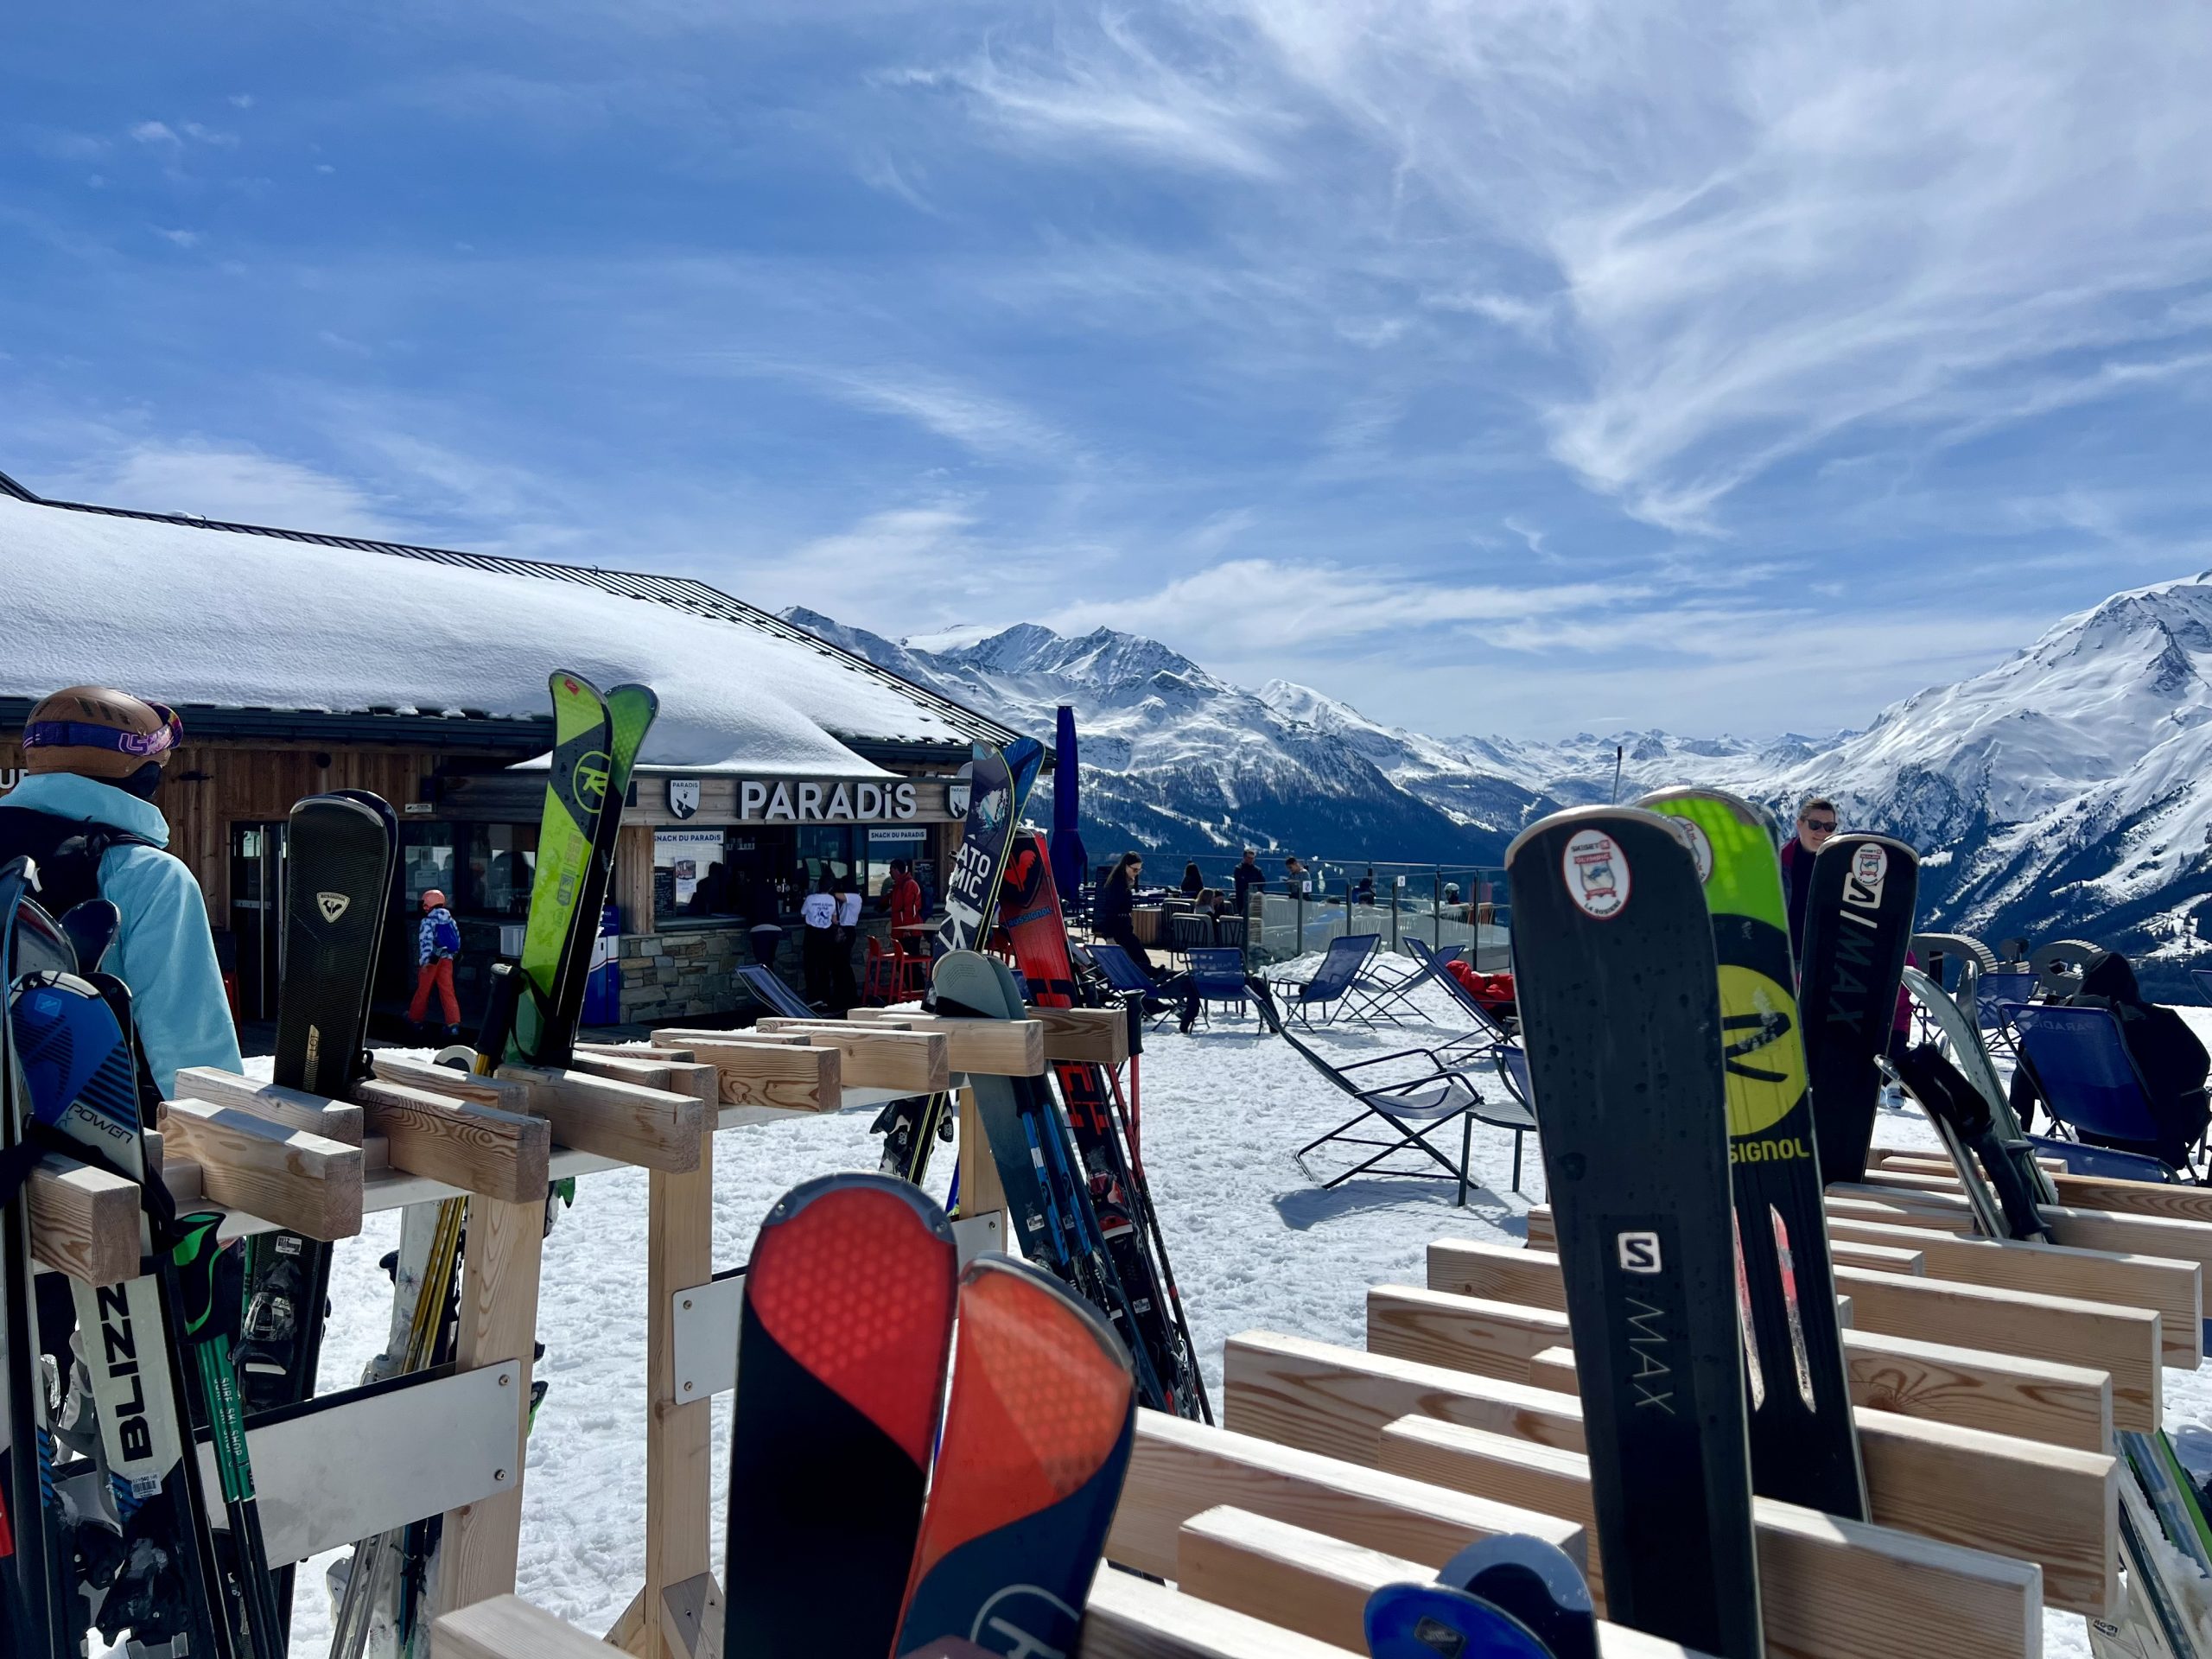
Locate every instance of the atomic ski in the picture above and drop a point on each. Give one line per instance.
(998, 784)
(1804, 1446)
(1858, 924)
(841, 1349)
(1618, 991)
(1029, 908)
(1028, 1470)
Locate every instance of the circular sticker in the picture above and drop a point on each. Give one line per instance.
(1692, 835)
(1870, 869)
(1596, 874)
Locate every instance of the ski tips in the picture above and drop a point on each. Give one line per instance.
(854, 1275)
(1044, 1393)
(1581, 817)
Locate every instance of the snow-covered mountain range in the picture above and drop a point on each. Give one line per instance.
(2062, 791)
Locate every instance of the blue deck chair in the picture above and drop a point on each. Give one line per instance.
(1486, 1032)
(2082, 1067)
(774, 995)
(1392, 998)
(2107, 1163)
(1123, 975)
(1218, 975)
(1412, 1108)
(1332, 981)
(2202, 978)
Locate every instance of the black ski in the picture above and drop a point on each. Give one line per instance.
(998, 784)
(1857, 922)
(1617, 982)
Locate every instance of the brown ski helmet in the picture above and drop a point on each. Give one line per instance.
(98, 732)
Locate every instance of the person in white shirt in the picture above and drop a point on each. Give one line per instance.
(846, 989)
(818, 955)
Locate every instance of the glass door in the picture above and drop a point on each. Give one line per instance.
(258, 914)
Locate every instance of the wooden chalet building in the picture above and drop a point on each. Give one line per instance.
(302, 661)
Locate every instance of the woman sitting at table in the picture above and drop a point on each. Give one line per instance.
(1193, 883)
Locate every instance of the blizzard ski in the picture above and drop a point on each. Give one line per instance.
(41, 1609)
(1028, 1470)
(1858, 924)
(1804, 1446)
(998, 784)
(1618, 985)
(843, 1343)
(1029, 908)
(80, 1073)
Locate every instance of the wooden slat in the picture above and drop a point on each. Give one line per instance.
(1829, 1589)
(789, 1076)
(2050, 1504)
(500, 1093)
(2170, 1236)
(482, 1542)
(1098, 1035)
(2176, 1200)
(2037, 1400)
(650, 1127)
(1310, 1582)
(2125, 1343)
(1841, 1204)
(477, 1148)
(508, 1627)
(1178, 1468)
(2174, 1288)
(83, 1221)
(1009, 1048)
(876, 1056)
(303, 1183)
(296, 1109)
(1128, 1617)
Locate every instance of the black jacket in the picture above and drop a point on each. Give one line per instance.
(1116, 900)
(1247, 877)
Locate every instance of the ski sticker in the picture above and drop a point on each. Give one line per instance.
(1596, 873)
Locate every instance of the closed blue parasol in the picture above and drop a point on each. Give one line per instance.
(1071, 865)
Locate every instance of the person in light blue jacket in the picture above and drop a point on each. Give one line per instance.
(94, 758)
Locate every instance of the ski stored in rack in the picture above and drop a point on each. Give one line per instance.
(1804, 1446)
(1857, 922)
(1618, 992)
(1029, 908)
(998, 785)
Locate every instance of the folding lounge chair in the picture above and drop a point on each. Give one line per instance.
(2202, 979)
(1378, 998)
(2086, 1077)
(1332, 981)
(1488, 1033)
(1411, 1110)
(1124, 976)
(772, 993)
(1218, 975)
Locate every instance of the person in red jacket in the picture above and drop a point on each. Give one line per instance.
(904, 899)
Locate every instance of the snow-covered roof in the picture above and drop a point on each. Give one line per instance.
(233, 616)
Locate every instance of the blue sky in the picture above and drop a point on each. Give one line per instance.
(1523, 367)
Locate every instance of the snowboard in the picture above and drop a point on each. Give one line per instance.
(998, 784)
(1537, 1583)
(1857, 924)
(1619, 994)
(1804, 1446)
(842, 1343)
(1962, 1038)
(1037, 1437)
(1029, 908)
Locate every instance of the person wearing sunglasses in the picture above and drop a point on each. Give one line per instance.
(86, 814)
(1816, 820)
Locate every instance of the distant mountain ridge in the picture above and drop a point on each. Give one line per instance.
(2066, 791)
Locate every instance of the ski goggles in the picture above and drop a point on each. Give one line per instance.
(75, 735)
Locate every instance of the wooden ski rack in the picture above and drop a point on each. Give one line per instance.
(1988, 1377)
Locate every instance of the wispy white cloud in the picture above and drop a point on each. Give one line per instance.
(229, 482)
(182, 238)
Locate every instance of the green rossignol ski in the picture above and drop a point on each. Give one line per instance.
(575, 796)
(1804, 1446)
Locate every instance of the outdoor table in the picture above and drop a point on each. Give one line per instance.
(1144, 922)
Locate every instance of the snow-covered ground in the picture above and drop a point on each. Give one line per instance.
(1255, 1243)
